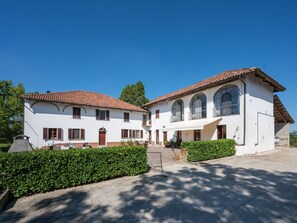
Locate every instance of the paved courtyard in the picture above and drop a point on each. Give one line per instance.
(259, 188)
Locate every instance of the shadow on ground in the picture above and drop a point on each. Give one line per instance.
(208, 193)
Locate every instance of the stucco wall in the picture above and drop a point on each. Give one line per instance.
(45, 115)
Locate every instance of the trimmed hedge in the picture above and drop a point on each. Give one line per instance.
(26, 173)
(207, 150)
(4, 147)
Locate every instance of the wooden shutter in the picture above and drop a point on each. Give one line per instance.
(45, 133)
(141, 134)
(130, 133)
(133, 133)
(107, 115)
(82, 134)
(122, 134)
(70, 134)
(97, 114)
(60, 134)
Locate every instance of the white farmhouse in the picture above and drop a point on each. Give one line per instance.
(79, 117)
(235, 104)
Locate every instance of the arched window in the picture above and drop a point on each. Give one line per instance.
(198, 106)
(177, 111)
(227, 100)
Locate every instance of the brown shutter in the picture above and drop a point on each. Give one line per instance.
(60, 134)
(133, 133)
(45, 133)
(141, 134)
(130, 133)
(122, 134)
(82, 134)
(70, 134)
(107, 115)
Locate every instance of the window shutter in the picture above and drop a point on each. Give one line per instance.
(97, 114)
(107, 115)
(133, 133)
(130, 133)
(70, 136)
(45, 133)
(60, 134)
(122, 133)
(82, 134)
(141, 134)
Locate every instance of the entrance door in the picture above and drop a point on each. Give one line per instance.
(102, 137)
(222, 133)
(157, 137)
(197, 135)
(164, 136)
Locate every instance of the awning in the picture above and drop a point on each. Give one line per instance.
(191, 125)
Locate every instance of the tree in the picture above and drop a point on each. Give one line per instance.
(134, 94)
(11, 110)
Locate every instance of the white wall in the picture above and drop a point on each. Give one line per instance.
(259, 108)
(45, 115)
(282, 130)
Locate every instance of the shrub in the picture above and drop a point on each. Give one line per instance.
(27, 173)
(4, 147)
(207, 150)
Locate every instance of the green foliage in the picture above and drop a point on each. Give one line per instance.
(11, 110)
(207, 150)
(27, 173)
(293, 139)
(134, 94)
(4, 147)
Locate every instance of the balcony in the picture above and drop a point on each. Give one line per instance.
(197, 115)
(226, 110)
(177, 118)
(147, 123)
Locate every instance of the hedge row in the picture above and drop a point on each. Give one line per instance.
(207, 150)
(4, 147)
(26, 173)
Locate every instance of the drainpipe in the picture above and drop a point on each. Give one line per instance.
(244, 111)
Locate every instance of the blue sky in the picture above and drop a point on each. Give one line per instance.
(102, 46)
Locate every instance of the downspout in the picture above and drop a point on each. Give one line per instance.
(244, 110)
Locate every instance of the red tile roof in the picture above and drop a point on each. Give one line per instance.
(84, 98)
(221, 78)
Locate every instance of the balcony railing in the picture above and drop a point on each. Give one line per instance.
(226, 110)
(197, 115)
(176, 118)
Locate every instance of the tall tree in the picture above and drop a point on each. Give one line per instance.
(134, 94)
(11, 110)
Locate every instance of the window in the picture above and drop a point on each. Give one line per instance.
(129, 133)
(126, 116)
(198, 106)
(76, 134)
(102, 115)
(52, 134)
(144, 120)
(177, 111)
(125, 133)
(157, 113)
(76, 113)
(227, 100)
(222, 131)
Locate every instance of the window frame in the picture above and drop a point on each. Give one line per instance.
(76, 112)
(126, 117)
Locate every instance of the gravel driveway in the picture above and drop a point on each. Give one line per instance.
(259, 188)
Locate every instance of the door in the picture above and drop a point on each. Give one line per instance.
(222, 132)
(197, 135)
(157, 137)
(150, 136)
(164, 136)
(102, 137)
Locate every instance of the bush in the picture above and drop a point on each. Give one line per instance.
(4, 147)
(293, 139)
(26, 173)
(207, 150)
